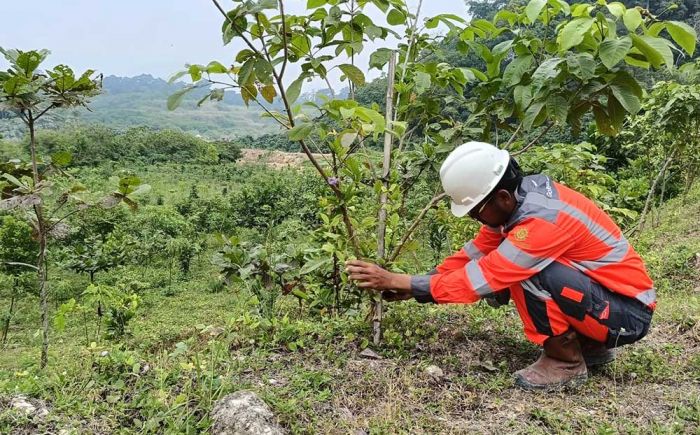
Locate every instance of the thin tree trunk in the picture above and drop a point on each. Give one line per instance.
(6, 326)
(41, 258)
(657, 217)
(650, 195)
(383, 198)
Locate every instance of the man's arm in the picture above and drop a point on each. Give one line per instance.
(529, 248)
(485, 241)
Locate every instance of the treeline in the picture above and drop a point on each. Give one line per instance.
(94, 144)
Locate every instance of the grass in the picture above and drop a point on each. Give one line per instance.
(193, 346)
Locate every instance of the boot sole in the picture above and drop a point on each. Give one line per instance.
(573, 382)
(597, 362)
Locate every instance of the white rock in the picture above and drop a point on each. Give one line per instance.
(23, 405)
(434, 371)
(369, 353)
(243, 413)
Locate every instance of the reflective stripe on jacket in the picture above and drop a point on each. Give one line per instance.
(551, 223)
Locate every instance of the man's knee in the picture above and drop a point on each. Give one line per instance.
(569, 288)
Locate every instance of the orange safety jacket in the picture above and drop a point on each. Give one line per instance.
(551, 223)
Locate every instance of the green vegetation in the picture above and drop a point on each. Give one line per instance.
(145, 273)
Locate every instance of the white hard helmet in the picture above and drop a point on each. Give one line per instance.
(470, 173)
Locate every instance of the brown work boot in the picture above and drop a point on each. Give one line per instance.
(594, 352)
(560, 365)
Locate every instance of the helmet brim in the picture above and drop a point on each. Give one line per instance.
(459, 210)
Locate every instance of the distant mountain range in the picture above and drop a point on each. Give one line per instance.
(135, 101)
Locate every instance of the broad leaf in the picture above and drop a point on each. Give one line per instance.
(617, 9)
(515, 70)
(380, 58)
(300, 131)
(422, 81)
(532, 114)
(632, 19)
(533, 9)
(294, 90)
(175, 99)
(612, 51)
(353, 73)
(395, 17)
(683, 34)
(269, 93)
(572, 34)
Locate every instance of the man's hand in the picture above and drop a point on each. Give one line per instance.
(394, 286)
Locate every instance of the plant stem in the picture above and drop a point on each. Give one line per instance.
(414, 225)
(652, 189)
(377, 308)
(41, 257)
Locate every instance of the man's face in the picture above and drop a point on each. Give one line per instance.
(495, 209)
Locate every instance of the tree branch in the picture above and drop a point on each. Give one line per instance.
(512, 138)
(284, 39)
(533, 142)
(16, 263)
(415, 224)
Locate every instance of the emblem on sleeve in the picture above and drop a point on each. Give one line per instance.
(521, 234)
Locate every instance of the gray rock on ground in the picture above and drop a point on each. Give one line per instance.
(434, 371)
(30, 408)
(243, 413)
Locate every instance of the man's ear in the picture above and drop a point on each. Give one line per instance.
(504, 196)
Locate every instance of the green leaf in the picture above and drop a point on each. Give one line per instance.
(632, 19)
(215, 67)
(300, 44)
(661, 46)
(177, 76)
(612, 51)
(522, 95)
(423, 82)
(617, 9)
(175, 99)
(557, 108)
(245, 74)
(626, 98)
(312, 4)
(627, 91)
(380, 58)
(546, 72)
(582, 65)
(353, 73)
(313, 265)
(61, 158)
(533, 9)
(396, 17)
(603, 122)
(515, 70)
(376, 118)
(300, 131)
(294, 90)
(263, 71)
(683, 34)
(572, 34)
(531, 115)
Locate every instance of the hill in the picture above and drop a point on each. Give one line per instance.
(135, 101)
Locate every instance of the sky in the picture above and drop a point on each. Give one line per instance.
(132, 37)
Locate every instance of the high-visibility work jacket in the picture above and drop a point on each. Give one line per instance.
(550, 223)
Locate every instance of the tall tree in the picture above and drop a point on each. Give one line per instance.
(32, 93)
